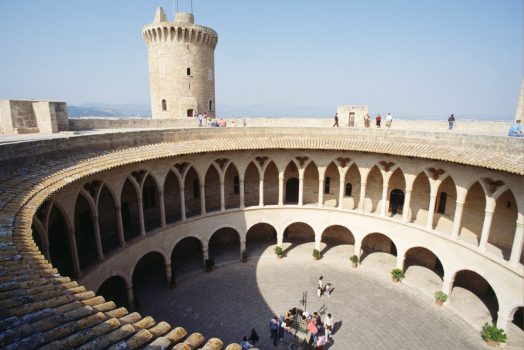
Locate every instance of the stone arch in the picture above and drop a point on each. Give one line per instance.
(39, 236)
(172, 204)
(423, 269)
(396, 184)
(474, 297)
(224, 245)
(331, 185)
(251, 185)
(473, 214)
(151, 203)
(419, 203)
(192, 193)
(60, 251)
(86, 246)
(338, 235)
(352, 185)
(377, 243)
(148, 272)
(186, 257)
(517, 317)
(259, 237)
(231, 187)
(443, 218)
(310, 187)
(298, 233)
(114, 288)
(374, 186)
(212, 189)
(129, 210)
(107, 220)
(502, 230)
(271, 184)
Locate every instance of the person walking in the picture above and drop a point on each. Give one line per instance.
(336, 120)
(378, 119)
(253, 337)
(515, 130)
(451, 120)
(273, 328)
(389, 120)
(328, 326)
(320, 286)
(245, 344)
(367, 120)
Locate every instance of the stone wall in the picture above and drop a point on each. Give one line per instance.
(24, 117)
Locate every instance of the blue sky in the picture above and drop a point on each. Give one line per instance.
(410, 57)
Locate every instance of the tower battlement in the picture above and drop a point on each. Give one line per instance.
(181, 66)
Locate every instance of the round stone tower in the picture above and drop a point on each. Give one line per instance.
(181, 59)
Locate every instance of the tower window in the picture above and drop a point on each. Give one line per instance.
(164, 105)
(349, 189)
(190, 113)
(188, 71)
(196, 189)
(236, 185)
(442, 203)
(210, 105)
(327, 185)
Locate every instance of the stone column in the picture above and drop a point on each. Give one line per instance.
(261, 192)
(486, 226)
(358, 248)
(320, 192)
(405, 208)
(98, 240)
(168, 274)
(362, 199)
(280, 239)
(317, 242)
(241, 192)
(502, 321)
(74, 251)
(384, 198)
(162, 209)
(341, 190)
(401, 256)
(130, 297)
(141, 216)
(120, 226)
(301, 189)
(182, 203)
(459, 208)
(447, 285)
(222, 196)
(280, 189)
(205, 254)
(242, 247)
(202, 199)
(518, 240)
(431, 209)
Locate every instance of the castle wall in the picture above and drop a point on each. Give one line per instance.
(28, 116)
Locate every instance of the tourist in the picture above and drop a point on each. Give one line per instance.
(281, 328)
(321, 285)
(516, 130)
(200, 119)
(367, 120)
(205, 118)
(245, 344)
(320, 342)
(389, 119)
(378, 119)
(328, 326)
(336, 120)
(273, 328)
(244, 123)
(328, 289)
(451, 120)
(312, 328)
(253, 337)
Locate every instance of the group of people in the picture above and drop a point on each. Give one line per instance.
(249, 343)
(322, 289)
(204, 120)
(320, 332)
(378, 120)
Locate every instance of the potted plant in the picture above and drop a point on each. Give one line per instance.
(279, 252)
(492, 335)
(354, 260)
(397, 274)
(209, 263)
(440, 297)
(244, 255)
(316, 254)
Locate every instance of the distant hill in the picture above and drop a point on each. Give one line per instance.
(108, 110)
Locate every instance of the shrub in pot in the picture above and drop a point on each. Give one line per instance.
(279, 252)
(492, 335)
(244, 255)
(440, 297)
(209, 264)
(397, 274)
(316, 254)
(354, 260)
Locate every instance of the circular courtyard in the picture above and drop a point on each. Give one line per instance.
(370, 311)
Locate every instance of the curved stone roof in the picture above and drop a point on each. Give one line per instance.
(40, 308)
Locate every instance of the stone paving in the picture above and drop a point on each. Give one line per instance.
(371, 311)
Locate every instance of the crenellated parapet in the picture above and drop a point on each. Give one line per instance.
(172, 31)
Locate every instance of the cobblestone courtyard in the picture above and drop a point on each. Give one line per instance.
(371, 311)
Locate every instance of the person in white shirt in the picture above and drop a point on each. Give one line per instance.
(389, 119)
(328, 326)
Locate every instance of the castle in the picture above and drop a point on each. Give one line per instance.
(83, 217)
